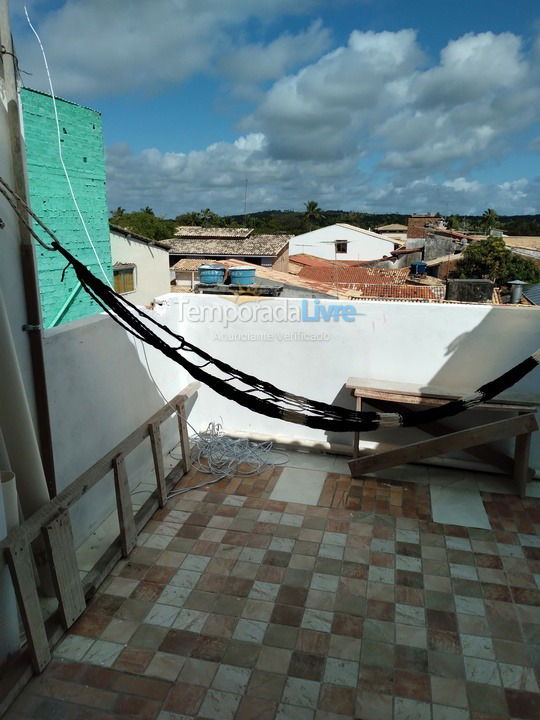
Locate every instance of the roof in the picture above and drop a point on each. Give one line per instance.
(313, 261)
(195, 231)
(532, 293)
(393, 227)
(414, 292)
(445, 258)
(130, 234)
(355, 275)
(254, 245)
(189, 263)
(265, 273)
(366, 232)
(525, 242)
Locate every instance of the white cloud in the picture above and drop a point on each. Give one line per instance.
(252, 64)
(215, 177)
(98, 47)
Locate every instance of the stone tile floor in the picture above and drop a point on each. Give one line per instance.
(235, 605)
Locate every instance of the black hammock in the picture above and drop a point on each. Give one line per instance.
(261, 396)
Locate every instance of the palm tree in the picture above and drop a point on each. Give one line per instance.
(147, 210)
(489, 219)
(313, 214)
(118, 212)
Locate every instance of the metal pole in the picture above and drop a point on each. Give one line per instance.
(28, 258)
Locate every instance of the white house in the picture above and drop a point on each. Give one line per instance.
(140, 265)
(342, 242)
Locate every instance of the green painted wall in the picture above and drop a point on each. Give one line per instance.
(82, 145)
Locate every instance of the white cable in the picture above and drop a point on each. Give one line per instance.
(60, 148)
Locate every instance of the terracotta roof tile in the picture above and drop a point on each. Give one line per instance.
(254, 245)
(355, 275)
(195, 231)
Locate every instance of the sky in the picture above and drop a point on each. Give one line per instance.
(361, 105)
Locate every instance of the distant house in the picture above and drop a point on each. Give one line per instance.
(214, 244)
(343, 242)
(140, 265)
(396, 231)
(419, 225)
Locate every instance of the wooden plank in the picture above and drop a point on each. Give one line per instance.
(65, 572)
(126, 519)
(22, 573)
(436, 446)
(356, 441)
(154, 430)
(431, 401)
(433, 391)
(31, 528)
(184, 435)
(521, 462)
(486, 453)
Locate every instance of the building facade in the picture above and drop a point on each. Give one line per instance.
(140, 266)
(342, 242)
(81, 138)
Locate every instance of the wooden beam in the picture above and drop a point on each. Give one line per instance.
(31, 528)
(486, 453)
(154, 431)
(22, 573)
(459, 440)
(184, 435)
(65, 572)
(126, 519)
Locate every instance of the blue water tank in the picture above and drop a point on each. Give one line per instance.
(211, 273)
(241, 275)
(418, 268)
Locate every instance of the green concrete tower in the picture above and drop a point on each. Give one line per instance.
(82, 145)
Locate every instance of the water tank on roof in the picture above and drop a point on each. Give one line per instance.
(211, 273)
(418, 268)
(241, 275)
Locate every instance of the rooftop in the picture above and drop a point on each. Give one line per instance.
(249, 599)
(195, 231)
(355, 275)
(128, 233)
(255, 245)
(393, 227)
(524, 242)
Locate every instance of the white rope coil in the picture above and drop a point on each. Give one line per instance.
(214, 453)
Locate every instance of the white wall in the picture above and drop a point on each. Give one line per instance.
(458, 347)
(361, 246)
(101, 390)
(152, 276)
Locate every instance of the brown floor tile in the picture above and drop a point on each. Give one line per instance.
(306, 666)
(413, 685)
(337, 699)
(256, 708)
(133, 660)
(185, 699)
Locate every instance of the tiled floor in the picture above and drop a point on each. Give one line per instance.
(236, 605)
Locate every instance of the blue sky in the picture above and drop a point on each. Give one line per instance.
(367, 105)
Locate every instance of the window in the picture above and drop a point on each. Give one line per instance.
(124, 278)
(341, 246)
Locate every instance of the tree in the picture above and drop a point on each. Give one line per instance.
(147, 210)
(313, 215)
(118, 212)
(155, 228)
(491, 259)
(489, 219)
(208, 218)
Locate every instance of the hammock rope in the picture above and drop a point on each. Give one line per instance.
(244, 388)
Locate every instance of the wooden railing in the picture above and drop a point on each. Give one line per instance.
(51, 523)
